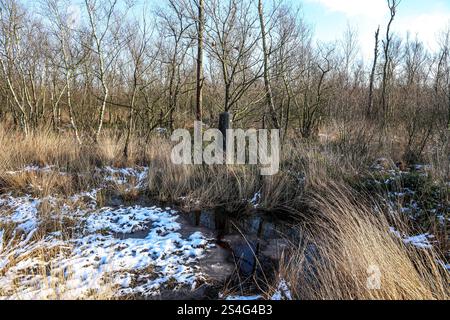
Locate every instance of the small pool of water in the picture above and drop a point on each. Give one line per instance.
(255, 241)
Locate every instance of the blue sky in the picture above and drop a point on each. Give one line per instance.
(330, 19)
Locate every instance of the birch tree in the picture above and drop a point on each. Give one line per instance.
(101, 16)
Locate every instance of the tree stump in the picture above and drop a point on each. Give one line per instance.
(224, 125)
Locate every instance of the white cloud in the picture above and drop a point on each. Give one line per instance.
(367, 15)
(427, 26)
(353, 8)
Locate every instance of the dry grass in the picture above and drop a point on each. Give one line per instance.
(346, 242)
(211, 186)
(345, 154)
(61, 151)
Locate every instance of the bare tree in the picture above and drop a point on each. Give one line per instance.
(267, 85)
(232, 43)
(370, 111)
(393, 5)
(100, 19)
(24, 63)
(442, 82)
(175, 27)
(70, 52)
(291, 51)
(200, 47)
(139, 37)
(315, 93)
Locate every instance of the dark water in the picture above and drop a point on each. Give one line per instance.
(255, 241)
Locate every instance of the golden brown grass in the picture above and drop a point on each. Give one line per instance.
(197, 187)
(304, 164)
(346, 242)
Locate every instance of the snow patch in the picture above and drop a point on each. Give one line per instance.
(256, 200)
(129, 266)
(283, 292)
(21, 211)
(129, 220)
(126, 176)
(243, 298)
(422, 241)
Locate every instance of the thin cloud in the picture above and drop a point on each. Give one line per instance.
(366, 15)
(426, 26)
(354, 8)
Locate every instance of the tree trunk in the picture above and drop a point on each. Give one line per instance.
(224, 125)
(130, 121)
(386, 76)
(448, 102)
(372, 76)
(268, 88)
(71, 113)
(200, 75)
(102, 113)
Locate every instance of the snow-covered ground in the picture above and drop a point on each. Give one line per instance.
(98, 255)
